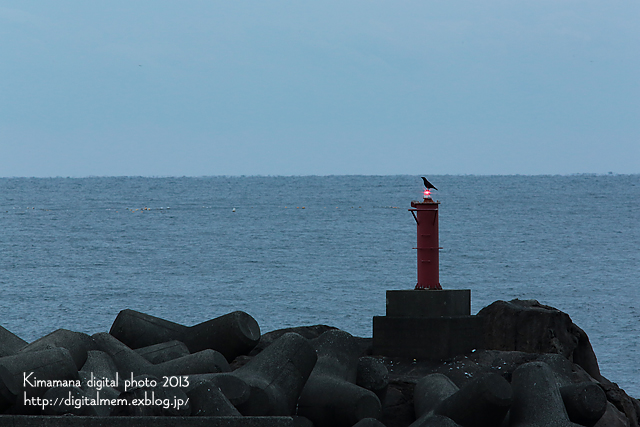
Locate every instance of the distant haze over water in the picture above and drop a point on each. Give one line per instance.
(318, 250)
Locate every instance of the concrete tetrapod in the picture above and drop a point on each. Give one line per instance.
(101, 394)
(232, 335)
(131, 363)
(429, 392)
(10, 343)
(68, 401)
(19, 373)
(482, 402)
(233, 388)
(584, 400)
(163, 352)
(207, 400)
(98, 374)
(432, 420)
(77, 343)
(537, 400)
(153, 400)
(99, 365)
(330, 397)
(373, 375)
(276, 376)
(368, 422)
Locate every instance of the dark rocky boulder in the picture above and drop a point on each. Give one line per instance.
(531, 327)
(527, 325)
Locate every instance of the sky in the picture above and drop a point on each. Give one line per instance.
(199, 88)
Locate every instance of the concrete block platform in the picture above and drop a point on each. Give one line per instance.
(427, 324)
(435, 338)
(428, 303)
(75, 421)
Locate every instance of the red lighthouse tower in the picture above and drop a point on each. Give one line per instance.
(426, 216)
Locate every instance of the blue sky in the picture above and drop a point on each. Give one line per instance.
(163, 88)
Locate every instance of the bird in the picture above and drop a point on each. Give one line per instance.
(427, 184)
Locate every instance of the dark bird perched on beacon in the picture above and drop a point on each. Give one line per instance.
(428, 184)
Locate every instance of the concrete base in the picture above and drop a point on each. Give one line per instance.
(437, 338)
(61, 421)
(429, 303)
(427, 324)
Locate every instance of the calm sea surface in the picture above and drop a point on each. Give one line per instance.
(309, 250)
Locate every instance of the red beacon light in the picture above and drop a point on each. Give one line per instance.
(427, 194)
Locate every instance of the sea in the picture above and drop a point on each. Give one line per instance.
(307, 250)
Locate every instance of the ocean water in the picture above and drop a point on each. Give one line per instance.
(295, 251)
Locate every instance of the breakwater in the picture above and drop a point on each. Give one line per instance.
(534, 366)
